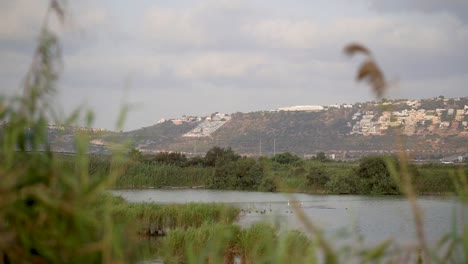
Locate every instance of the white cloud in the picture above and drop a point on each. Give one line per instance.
(458, 8)
(21, 19)
(217, 64)
(168, 26)
(431, 35)
(283, 33)
(14, 62)
(90, 18)
(450, 86)
(106, 65)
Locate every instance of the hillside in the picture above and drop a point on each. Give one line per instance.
(430, 128)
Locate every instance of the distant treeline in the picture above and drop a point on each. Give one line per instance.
(222, 168)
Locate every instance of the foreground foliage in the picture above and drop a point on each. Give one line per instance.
(48, 213)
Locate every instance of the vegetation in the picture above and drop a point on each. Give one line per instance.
(286, 158)
(50, 213)
(152, 216)
(224, 169)
(259, 243)
(243, 174)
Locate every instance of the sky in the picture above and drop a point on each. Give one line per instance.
(166, 59)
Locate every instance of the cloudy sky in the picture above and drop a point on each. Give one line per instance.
(170, 58)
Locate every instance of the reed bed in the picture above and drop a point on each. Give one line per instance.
(172, 216)
(143, 175)
(259, 243)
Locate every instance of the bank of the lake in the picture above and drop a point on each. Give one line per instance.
(282, 173)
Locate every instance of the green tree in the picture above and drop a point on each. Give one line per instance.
(135, 154)
(375, 177)
(195, 161)
(343, 184)
(268, 185)
(173, 158)
(286, 158)
(321, 157)
(219, 155)
(317, 176)
(242, 174)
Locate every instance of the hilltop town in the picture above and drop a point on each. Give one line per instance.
(412, 117)
(431, 129)
(415, 120)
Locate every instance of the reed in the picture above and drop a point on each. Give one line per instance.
(141, 175)
(401, 170)
(173, 216)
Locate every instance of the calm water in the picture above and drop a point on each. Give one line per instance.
(374, 218)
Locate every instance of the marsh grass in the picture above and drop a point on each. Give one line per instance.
(259, 243)
(135, 174)
(143, 175)
(173, 216)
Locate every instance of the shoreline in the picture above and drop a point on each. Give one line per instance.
(202, 187)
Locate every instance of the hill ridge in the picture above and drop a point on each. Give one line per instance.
(428, 126)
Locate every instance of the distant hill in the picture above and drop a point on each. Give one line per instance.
(429, 127)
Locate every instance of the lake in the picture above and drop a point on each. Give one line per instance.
(375, 218)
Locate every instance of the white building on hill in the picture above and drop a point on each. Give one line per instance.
(306, 108)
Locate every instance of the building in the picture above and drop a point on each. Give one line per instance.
(306, 108)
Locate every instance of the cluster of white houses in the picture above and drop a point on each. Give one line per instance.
(205, 128)
(208, 126)
(76, 128)
(412, 121)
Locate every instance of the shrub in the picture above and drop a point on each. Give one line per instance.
(317, 176)
(171, 158)
(268, 185)
(217, 155)
(374, 176)
(243, 174)
(286, 158)
(343, 184)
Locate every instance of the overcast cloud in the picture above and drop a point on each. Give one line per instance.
(170, 58)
